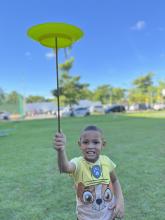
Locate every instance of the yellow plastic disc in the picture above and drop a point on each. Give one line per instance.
(46, 34)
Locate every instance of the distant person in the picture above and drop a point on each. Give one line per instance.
(98, 191)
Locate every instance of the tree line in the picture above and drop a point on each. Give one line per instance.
(72, 90)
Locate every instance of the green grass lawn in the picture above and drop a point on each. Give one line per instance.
(31, 187)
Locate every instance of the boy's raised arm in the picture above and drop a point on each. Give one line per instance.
(64, 164)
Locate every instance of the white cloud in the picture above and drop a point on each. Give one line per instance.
(139, 25)
(50, 55)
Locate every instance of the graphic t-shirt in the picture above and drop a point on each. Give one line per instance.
(93, 188)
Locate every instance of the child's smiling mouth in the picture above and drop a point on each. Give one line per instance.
(90, 152)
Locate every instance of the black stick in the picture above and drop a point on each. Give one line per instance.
(58, 92)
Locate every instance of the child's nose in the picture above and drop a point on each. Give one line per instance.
(90, 145)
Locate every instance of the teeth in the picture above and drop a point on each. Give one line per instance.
(90, 152)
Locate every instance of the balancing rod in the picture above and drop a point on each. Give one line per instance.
(55, 35)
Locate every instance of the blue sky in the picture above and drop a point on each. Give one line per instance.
(123, 40)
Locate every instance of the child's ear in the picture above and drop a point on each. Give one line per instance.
(79, 142)
(104, 143)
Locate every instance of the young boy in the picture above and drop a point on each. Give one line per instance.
(99, 194)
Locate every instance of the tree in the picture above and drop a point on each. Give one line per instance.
(2, 96)
(143, 83)
(13, 97)
(159, 96)
(118, 95)
(67, 65)
(71, 90)
(135, 96)
(32, 99)
(103, 94)
(143, 89)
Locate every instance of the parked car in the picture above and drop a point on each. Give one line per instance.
(139, 106)
(97, 109)
(4, 115)
(159, 106)
(80, 111)
(65, 112)
(115, 108)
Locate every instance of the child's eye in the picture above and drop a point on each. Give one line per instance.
(85, 142)
(96, 142)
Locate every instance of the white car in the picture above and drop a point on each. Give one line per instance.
(4, 115)
(65, 112)
(97, 109)
(158, 106)
(80, 111)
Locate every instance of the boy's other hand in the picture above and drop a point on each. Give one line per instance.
(118, 211)
(59, 141)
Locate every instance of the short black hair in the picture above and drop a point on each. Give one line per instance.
(92, 128)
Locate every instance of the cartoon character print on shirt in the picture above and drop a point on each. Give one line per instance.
(96, 196)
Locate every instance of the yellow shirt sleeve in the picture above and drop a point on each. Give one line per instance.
(108, 162)
(76, 161)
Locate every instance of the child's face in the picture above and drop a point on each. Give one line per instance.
(91, 144)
